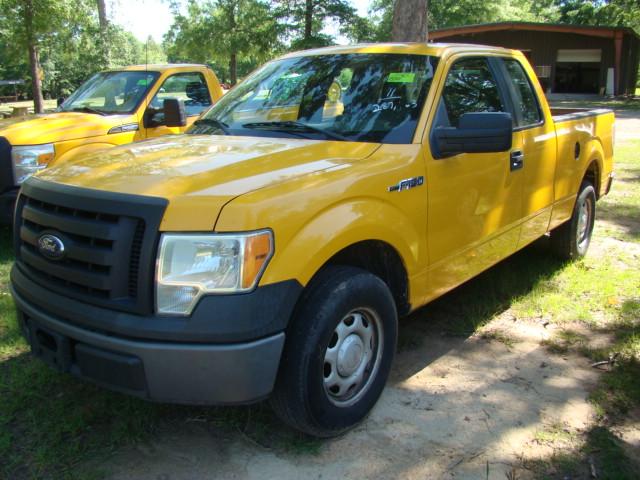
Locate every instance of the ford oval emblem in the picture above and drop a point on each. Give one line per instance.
(51, 246)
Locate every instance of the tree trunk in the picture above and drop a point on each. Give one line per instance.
(102, 15)
(308, 20)
(409, 21)
(34, 63)
(103, 43)
(233, 69)
(34, 58)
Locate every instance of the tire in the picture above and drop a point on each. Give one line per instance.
(570, 241)
(328, 379)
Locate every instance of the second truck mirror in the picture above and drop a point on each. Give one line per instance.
(477, 132)
(174, 113)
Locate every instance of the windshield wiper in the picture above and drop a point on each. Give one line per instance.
(87, 110)
(292, 126)
(213, 122)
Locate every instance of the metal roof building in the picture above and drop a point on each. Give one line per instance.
(567, 58)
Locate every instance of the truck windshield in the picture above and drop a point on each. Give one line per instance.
(110, 93)
(349, 97)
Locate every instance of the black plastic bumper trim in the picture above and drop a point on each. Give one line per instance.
(186, 373)
(216, 319)
(7, 206)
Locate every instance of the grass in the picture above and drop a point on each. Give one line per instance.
(52, 424)
(620, 103)
(8, 107)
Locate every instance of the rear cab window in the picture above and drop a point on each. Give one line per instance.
(526, 104)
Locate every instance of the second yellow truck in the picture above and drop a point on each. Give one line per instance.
(112, 108)
(269, 252)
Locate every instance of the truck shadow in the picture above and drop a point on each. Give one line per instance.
(461, 312)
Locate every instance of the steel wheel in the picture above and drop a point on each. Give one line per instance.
(352, 357)
(585, 214)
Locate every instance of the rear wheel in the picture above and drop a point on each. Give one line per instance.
(571, 240)
(338, 352)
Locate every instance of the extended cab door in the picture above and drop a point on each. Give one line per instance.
(534, 149)
(474, 199)
(191, 88)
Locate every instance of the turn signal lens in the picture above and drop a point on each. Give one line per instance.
(257, 251)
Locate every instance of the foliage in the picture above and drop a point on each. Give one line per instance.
(449, 13)
(68, 37)
(303, 21)
(621, 13)
(219, 32)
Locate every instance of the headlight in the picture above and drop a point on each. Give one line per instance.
(30, 159)
(192, 265)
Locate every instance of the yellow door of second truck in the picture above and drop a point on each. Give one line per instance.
(191, 88)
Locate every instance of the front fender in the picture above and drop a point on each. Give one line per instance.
(339, 226)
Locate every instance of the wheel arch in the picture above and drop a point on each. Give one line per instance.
(366, 233)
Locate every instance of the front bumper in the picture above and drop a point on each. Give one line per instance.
(7, 206)
(188, 372)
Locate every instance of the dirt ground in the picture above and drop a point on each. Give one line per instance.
(463, 407)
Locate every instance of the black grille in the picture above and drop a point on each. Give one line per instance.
(108, 251)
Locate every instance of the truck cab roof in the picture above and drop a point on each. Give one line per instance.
(161, 67)
(415, 48)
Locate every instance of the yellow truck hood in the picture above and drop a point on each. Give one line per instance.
(58, 127)
(200, 174)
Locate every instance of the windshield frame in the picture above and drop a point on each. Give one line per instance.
(231, 104)
(155, 74)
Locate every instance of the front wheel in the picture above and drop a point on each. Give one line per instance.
(338, 352)
(571, 240)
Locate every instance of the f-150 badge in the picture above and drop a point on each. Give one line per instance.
(406, 184)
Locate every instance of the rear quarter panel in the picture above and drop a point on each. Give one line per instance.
(591, 135)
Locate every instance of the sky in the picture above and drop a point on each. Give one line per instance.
(152, 17)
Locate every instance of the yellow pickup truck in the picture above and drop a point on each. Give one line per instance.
(111, 108)
(269, 251)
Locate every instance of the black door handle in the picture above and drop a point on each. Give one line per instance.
(517, 160)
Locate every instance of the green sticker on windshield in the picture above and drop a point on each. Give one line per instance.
(398, 77)
(142, 82)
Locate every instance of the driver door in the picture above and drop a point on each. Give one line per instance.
(191, 88)
(474, 199)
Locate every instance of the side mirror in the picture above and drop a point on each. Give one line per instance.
(174, 113)
(476, 133)
(60, 101)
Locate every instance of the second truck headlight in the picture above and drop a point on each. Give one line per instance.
(27, 160)
(191, 265)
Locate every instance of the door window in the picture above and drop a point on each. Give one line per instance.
(470, 87)
(526, 102)
(190, 87)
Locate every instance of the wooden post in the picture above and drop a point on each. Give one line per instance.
(617, 82)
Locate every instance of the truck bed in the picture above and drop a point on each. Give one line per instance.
(565, 114)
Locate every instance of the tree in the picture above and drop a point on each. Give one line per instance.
(33, 22)
(450, 13)
(620, 13)
(304, 20)
(221, 31)
(409, 21)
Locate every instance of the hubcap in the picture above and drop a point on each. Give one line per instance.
(584, 221)
(352, 358)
